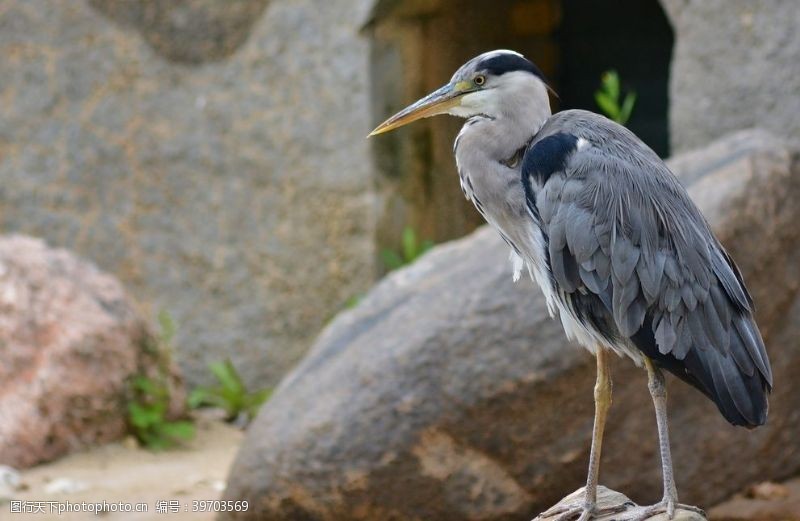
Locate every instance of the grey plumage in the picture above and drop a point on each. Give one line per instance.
(664, 261)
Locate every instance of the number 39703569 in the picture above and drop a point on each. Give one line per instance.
(216, 505)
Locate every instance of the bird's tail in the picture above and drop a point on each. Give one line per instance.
(738, 380)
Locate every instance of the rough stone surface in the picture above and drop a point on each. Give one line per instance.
(235, 194)
(188, 31)
(734, 66)
(762, 502)
(70, 338)
(449, 394)
(611, 505)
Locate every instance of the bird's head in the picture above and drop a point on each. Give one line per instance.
(494, 84)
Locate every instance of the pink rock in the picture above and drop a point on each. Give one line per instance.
(70, 338)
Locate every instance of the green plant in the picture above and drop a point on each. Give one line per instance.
(353, 301)
(411, 249)
(609, 95)
(231, 394)
(147, 415)
(167, 331)
(149, 394)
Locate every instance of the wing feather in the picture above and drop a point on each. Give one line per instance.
(650, 270)
(621, 229)
(592, 280)
(583, 242)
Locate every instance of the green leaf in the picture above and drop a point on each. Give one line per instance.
(142, 416)
(409, 244)
(152, 441)
(256, 400)
(411, 248)
(198, 397)
(607, 106)
(136, 416)
(610, 84)
(353, 301)
(627, 107)
(144, 384)
(426, 246)
(231, 395)
(147, 412)
(232, 403)
(167, 326)
(234, 374)
(227, 376)
(204, 397)
(259, 397)
(179, 430)
(391, 260)
(155, 444)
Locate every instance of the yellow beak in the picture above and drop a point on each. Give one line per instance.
(437, 102)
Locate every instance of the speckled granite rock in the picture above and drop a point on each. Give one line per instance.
(236, 193)
(734, 66)
(188, 31)
(449, 394)
(70, 338)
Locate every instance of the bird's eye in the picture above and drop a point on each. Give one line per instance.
(479, 80)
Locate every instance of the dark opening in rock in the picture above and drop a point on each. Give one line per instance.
(417, 45)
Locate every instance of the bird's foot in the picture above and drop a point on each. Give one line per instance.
(577, 512)
(665, 506)
(567, 513)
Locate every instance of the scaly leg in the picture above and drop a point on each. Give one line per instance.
(658, 391)
(602, 402)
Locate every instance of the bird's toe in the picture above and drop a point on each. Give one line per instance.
(577, 512)
(565, 513)
(666, 506)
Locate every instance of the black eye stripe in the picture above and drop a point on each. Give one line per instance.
(507, 62)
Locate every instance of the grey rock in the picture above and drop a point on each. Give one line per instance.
(188, 31)
(10, 482)
(235, 194)
(612, 505)
(449, 394)
(765, 500)
(734, 66)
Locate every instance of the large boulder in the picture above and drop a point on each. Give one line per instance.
(208, 153)
(734, 66)
(70, 340)
(449, 394)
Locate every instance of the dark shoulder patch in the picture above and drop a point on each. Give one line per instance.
(548, 156)
(509, 62)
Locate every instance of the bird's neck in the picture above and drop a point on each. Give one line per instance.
(501, 136)
(520, 127)
(510, 125)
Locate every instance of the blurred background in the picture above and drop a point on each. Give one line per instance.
(187, 200)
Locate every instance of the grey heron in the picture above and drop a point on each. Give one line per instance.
(621, 253)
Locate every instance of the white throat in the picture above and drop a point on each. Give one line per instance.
(507, 114)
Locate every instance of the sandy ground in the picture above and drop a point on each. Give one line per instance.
(122, 472)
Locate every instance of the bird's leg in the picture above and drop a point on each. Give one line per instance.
(602, 402)
(658, 391)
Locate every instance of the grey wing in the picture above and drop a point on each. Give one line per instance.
(626, 242)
